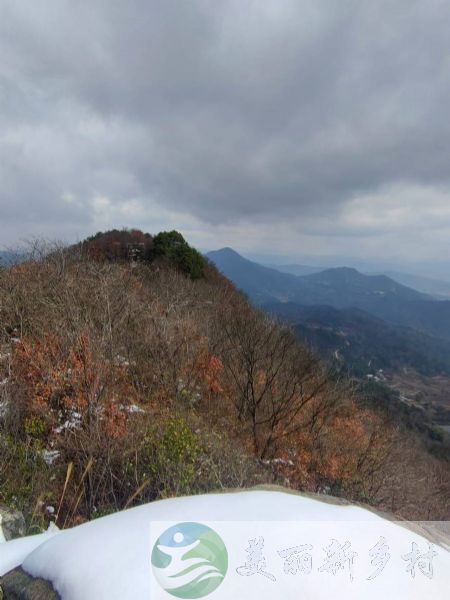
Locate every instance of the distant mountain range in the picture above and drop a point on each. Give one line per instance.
(339, 287)
(427, 285)
(369, 321)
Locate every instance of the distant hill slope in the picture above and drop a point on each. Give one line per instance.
(427, 285)
(261, 284)
(343, 287)
(340, 288)
(432, 317)
(362, 342)
(297, 269)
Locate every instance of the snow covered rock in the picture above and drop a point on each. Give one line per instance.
(113, 558)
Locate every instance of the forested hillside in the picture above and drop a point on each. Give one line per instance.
(364, 343)
(132, 370)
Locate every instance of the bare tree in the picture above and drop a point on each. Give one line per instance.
(275, 378)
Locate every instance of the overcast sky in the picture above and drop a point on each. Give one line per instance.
(309, 127)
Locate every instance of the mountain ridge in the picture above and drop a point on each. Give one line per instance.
(338, 287)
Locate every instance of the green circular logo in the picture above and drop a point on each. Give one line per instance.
(189, 560)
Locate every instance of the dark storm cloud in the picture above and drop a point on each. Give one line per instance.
(223, 112)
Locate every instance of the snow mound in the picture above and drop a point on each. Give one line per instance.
(110, 558)
(14, 552)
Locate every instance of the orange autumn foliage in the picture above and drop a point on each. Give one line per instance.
(56, 381)
(209, 367)
(350, 449)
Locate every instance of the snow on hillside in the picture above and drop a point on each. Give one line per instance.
(110, 558)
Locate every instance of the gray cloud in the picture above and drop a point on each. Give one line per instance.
(304, 115)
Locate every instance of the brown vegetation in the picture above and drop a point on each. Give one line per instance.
(127, 381)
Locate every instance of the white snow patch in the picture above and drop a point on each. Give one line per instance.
(131, 408)
(73, 422)
(50, 456)
(13, 553)
(109, 558)
(278, 461)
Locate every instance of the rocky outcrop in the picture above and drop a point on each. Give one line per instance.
(17, 585)
(11, 522)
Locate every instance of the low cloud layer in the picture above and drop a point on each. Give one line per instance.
(315, 126)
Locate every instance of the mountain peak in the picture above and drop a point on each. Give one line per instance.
(226, 251)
